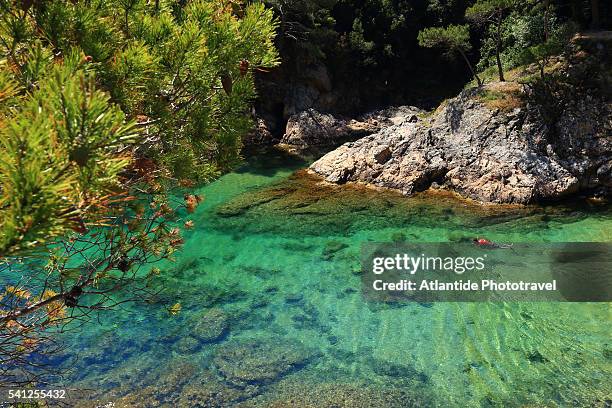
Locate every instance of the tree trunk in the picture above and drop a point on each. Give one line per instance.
(546, 18)
(471, 68)
(595, 19)
(498, 45)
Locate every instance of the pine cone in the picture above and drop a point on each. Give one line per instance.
(227, 83)
(244, 67)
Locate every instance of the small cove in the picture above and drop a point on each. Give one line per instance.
(276, 255)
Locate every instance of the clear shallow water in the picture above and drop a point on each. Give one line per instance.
(271, 270)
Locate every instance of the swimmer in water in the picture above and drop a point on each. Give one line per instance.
(485, 243)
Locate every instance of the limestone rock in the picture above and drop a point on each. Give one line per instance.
(260, 135)
(311, 128)
(483, 153)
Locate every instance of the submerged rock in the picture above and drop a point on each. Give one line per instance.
(299, 394)
(308, 206)
(261, 361)
(159, 385)
(331, 247)
(294, 299)
(484, 153)
(187, 345)
(390, 369)
(207, 391)
(211, 325)
(536, 357)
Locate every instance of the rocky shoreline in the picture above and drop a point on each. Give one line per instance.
(484, 154)
(312, 129)
(504, 142)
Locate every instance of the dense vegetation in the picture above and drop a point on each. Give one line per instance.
(375, 42)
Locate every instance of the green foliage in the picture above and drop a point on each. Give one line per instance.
(492, 12)
(375, 42)
(488, 10)
(88, 85)
(452, 38)
(379, 28)
(445, 10)
(59, 150)
(164, 66)
(368, 47)
(306, 27)
(528, 35)
(102, 105)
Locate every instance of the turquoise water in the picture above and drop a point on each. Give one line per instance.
(272, 314)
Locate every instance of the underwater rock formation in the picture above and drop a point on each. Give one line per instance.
(209, 392)
(211, 325)
(187, 345)
(304, 206)
(338, 395)
(261, 361)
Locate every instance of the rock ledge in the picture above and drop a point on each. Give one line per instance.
(484, 153)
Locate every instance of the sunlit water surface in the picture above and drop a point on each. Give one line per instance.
(271, 273)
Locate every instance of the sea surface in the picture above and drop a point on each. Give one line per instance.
(272, 313)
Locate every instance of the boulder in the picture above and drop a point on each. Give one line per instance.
(483, 153)
(260, 361)
(209, 391)
(311, 128)
(260, 135)
(187, 345)
(211, 325)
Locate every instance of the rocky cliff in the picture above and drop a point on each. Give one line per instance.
(313, 129)
(484, 152)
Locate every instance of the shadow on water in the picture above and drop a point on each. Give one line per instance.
(269, 160)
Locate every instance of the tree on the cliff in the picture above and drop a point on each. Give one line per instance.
(453, 39)
(531, 32)
(103, 107)
(491, 13)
